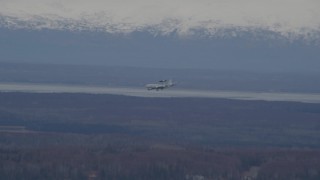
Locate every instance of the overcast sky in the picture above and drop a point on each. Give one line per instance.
(286, 17)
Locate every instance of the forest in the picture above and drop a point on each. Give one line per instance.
(86, 136)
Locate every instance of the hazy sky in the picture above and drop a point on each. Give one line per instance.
(286, 17)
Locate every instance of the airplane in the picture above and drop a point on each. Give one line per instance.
(163, 84)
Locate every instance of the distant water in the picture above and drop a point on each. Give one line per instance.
(173, 92)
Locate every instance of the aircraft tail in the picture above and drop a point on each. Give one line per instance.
(170, 83)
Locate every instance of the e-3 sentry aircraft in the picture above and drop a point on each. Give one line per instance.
(163, 84)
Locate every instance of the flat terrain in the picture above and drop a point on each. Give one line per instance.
(77, 136)
(172, 92)
(133, 77)
(213, 122)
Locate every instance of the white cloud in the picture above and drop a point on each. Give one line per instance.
(299, 18)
